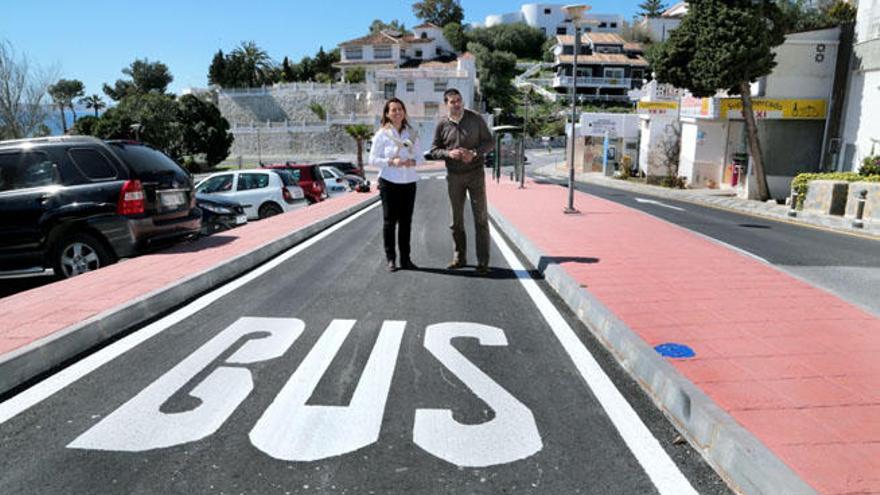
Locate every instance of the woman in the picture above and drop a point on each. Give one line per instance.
(395, 152)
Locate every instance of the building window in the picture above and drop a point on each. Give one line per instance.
(546, 11)
(588, 30)
(561, 30)
(410, 86)
(424, 35)
(402, 52)
(418, 54)
(637, 74)
(382, 52)
(613, 73)
(438, 51)
(431, 108)
(614, 24)
(390, 89)
(439, 86)
(354, 53)
(603, 25)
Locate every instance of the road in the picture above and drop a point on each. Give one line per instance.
(846, 265)
(322, 373)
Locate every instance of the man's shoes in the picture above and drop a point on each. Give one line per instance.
(456, 264)
(483, 269)
(407, 264)
(390, 266)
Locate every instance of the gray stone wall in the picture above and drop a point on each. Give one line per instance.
(279, 144)
(290, 102)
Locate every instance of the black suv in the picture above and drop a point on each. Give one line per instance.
(76, 203)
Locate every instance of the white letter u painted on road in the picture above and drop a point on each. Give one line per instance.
(510, 436)
(290, 430)
(139, 425)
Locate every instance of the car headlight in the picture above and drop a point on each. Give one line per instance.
(220, 210)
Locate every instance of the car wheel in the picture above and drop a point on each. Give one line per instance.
(79, 253)
(269, 210)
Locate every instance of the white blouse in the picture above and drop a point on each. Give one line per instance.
(388, 144)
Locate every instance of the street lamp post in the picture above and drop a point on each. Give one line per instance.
(574, 12)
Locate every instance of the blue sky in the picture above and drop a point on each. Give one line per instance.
(92, 40)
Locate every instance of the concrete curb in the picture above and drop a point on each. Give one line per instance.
(745, 463)
(753, 208)
(42, 355)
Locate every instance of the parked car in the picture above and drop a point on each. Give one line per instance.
(76, 203)
(335, 181)
(347, 168)
(308, 177)
(219, 214)
(262, 193)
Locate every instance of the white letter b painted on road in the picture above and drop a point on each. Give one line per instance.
(139, 425)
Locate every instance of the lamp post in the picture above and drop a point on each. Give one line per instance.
(136, 128)
(574, 12)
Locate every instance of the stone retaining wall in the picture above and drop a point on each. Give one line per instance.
(872, 200)
(827, 197)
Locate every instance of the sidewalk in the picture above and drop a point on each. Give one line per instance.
(718, 198)
(46, 326)
(782, 371)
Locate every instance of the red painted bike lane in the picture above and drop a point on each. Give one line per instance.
(796, 366)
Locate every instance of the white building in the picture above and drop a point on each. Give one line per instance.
(607, 66)
(658, 28)
(549, 18)
(861, 134)
(392, 49)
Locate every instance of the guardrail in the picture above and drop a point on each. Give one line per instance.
(612, 82)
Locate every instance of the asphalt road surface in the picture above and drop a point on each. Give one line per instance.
(844, 264)
(322, 373)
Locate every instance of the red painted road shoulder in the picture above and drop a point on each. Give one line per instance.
(796, 366)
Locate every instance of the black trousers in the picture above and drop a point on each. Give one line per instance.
(398, 201)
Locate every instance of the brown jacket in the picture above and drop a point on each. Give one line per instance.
(470, 133)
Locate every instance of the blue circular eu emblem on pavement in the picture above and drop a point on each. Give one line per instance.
(672, 350)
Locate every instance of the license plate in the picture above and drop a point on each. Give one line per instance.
(240, 219)
(172, 199)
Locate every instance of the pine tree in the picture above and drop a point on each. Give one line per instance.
(217, 70)
(652, 8)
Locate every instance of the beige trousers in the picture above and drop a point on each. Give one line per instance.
(472, 184)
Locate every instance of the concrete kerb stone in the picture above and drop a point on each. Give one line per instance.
(745, 463)
(27, 362)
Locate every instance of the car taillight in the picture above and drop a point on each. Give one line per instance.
(316, 186)
(287, 196)
(131, 198)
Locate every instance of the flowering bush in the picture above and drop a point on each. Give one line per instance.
(870, 166)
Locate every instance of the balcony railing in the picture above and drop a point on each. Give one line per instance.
(604, 82)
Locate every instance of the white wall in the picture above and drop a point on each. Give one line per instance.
(861, 132)
(805, 66)
(702, 151)
(659, 27)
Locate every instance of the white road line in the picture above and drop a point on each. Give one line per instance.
(654, 460)
(48, 387)
(658, 203)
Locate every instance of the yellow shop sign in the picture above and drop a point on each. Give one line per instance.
(657, 107)
(772, 108)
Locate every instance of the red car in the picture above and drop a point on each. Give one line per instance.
(308, 178)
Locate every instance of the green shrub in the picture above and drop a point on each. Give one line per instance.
(802, 181)
(870, 166)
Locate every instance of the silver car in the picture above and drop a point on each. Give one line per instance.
(262, 193)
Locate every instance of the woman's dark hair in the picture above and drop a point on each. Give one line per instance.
(386, 120)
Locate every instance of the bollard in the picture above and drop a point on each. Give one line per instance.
(792, 212)
(860, 210)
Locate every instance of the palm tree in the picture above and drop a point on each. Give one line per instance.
(360, 133)
(256, 62)
(95, 101)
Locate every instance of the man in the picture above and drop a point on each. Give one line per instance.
(462, 139)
